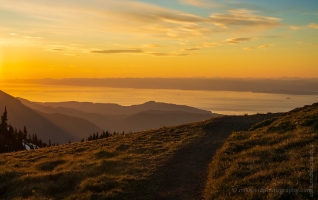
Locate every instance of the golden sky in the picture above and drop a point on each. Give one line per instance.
(175, 38)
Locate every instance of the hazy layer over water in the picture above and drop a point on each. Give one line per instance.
(223, 102)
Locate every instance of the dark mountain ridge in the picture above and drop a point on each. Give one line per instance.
(115, 109)
(47, 127)
(113, 117)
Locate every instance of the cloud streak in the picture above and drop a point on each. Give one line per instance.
(313, 26)
(136, 51)
(200, 3)
(192, 49)
(309, 26)
(259, 47)
(245, 18)
(238, 40)
(116, 51)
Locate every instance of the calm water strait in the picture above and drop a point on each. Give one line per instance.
(224, 102)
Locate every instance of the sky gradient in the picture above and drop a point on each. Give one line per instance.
(147, 38)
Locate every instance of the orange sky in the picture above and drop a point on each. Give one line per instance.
(186, 38)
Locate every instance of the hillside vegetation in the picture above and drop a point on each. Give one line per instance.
(275, 159)
(170, 162)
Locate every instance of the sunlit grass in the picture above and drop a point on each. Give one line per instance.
(106, 168)
(275, 154)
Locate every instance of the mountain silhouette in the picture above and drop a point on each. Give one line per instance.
(115, 109)
(113, 117)
(57, 128)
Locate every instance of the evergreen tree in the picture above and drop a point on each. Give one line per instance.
(4, 123)
(94, 136)
(13, 140)
(25, 133)
(4, 120)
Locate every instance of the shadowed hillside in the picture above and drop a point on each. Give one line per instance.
(57, 128)
(78, 128)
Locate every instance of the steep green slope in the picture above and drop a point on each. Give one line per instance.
(275, 159)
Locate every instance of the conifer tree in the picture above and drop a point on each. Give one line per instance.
(4, 122)
(25, 133)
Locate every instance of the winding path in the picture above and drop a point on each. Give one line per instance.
(184, 175)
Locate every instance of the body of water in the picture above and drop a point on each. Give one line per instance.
(223, 102)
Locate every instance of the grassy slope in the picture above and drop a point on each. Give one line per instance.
(103, 168)
(275, 154)
(123, 166)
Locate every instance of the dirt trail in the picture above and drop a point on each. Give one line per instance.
(183, 176)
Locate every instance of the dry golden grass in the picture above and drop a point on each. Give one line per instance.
(170, 162)
(276, 154)
(109, 168)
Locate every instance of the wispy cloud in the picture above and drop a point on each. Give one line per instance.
(192, 49)
(259, 47)
(297, 27)
(309, 26)
(58, 49)
(307, 44)
(153, 45)
(246, 19)
(168, 54)
(239, 40)
(136, 51)
(313, 26)
(123, 19)
(211, 44)
(132, 17)
(114, 51)
(67, 49)
(31, 37)
(200, 3)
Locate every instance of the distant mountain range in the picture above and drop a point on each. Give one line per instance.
(55, 127)
(71, 121)
(114, 117)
